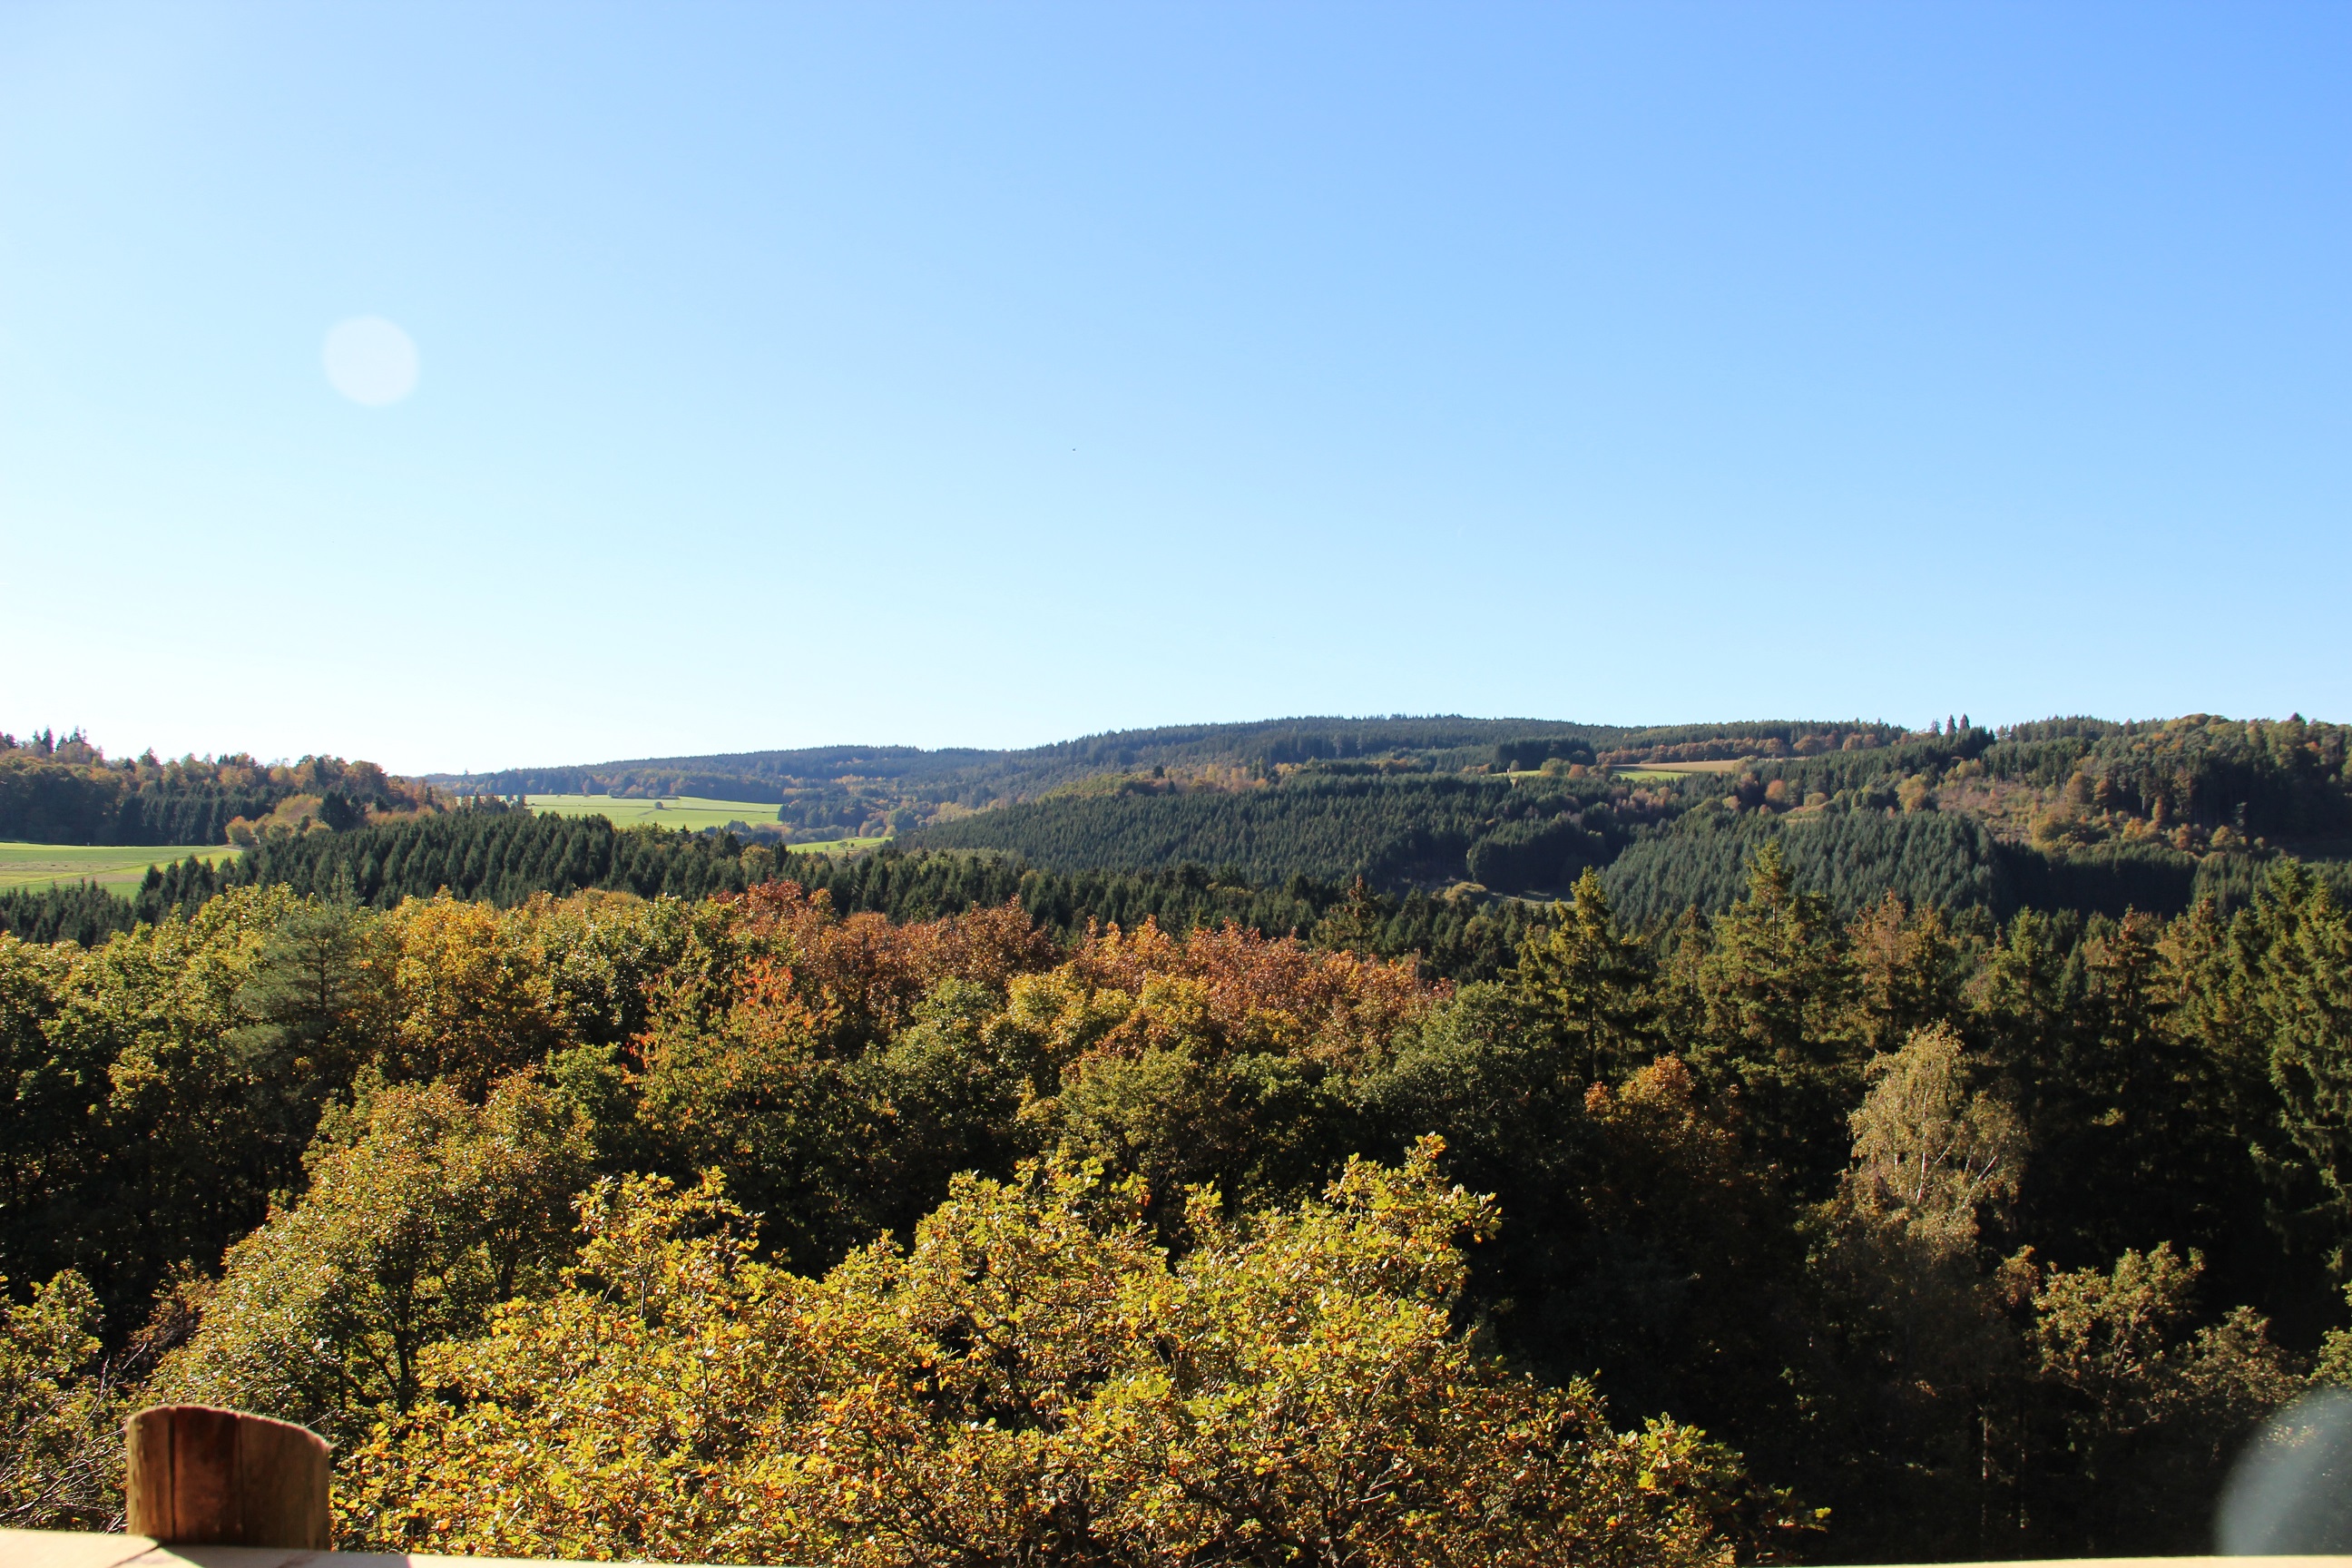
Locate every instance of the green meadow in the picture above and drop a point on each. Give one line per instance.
(1667, 772)
(1641, 773)
(117, 866)
(696, 812)
(689, 811)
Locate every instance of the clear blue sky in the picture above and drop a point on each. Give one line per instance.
(991, 373)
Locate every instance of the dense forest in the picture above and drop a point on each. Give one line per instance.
(1804, 1142)
(506, 856)
(2070, 814)
(978, 778)
(1323, 823)
(2062, 814)
(1268, 825)
(892, 789)
(1841, 1239)
(65, 791)
(833, 790)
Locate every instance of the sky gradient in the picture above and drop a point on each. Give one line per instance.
(988, 374)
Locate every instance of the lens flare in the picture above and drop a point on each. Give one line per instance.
(371, 361)
(2292, 1489)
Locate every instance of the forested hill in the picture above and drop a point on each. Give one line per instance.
(700, 1225)
(2072, 813)
(2069, 813)
(68, 791)
(978, 777)
(2194, 786)
(501, 856)
(439, 1081)
(888, 788)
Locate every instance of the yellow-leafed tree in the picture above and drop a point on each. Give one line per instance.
(1029, 1379)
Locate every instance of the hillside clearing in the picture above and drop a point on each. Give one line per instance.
(119, 867)
(1674, 769)
(688, 811)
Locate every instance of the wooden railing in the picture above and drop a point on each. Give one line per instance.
(84, 1549)
(204, 1487)
(75, 1549)
(219, 1489)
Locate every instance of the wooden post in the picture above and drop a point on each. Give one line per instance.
(203, 1477)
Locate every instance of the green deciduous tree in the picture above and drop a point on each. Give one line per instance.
(60, 1410)
(1913, 1323)
(422, 1212)
(2146, 1410)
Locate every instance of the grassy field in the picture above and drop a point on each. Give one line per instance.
(1647, 772)
(679, 811)
(686, 811)
(119, 867)
(1660, 773)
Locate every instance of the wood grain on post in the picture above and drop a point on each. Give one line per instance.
(203, 1477)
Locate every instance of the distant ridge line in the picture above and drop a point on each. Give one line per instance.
(1470, 731)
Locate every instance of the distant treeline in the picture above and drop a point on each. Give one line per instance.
(72, 806)
(1330, 828)
(1654, 869)
(883, 774)
(504, 856)
(83, 912)
(1856, 857)
(888, 778)
(1538, 838)
(2282, 779)
(2141, 815)
(2285, 778)
(1854, 825)
(1696, 743)
(491, 851)
(68, 792)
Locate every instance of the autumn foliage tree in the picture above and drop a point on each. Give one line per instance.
(1023, 1239)
(424, 1211)
(1031, 1378)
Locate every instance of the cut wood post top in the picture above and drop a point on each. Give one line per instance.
(205, 1476)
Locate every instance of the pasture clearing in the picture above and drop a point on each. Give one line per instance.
(1645, 773)
(691, 812)
(835, 846)
(688, 811)
(117, 867)
(1667, 772)
(1729, 767)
